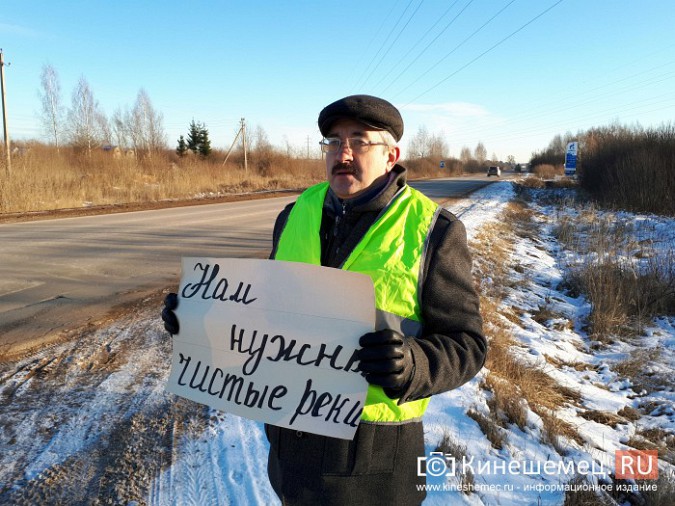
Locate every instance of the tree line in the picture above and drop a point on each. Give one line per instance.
(627, 167)
(85, 126)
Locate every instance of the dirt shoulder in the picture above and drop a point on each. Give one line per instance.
(139, 206)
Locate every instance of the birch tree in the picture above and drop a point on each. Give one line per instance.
(84, 117)
(50, 100)
(480, 153)
(145, 125)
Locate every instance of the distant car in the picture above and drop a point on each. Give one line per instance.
(494, 171)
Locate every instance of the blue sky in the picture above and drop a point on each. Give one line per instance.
(510, 85)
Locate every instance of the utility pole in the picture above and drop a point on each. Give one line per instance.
(8, 158)
(243, 138)
(308, 147)
(242, 132)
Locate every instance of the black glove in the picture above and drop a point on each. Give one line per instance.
(386, 359)
(169, 317)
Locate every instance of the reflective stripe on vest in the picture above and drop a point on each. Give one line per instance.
(391, 253)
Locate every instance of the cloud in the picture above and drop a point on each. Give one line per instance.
(449, 118)
(7, 29)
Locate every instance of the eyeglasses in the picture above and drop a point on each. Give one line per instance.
(355, 144)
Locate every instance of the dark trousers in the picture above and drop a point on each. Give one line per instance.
(379, 466)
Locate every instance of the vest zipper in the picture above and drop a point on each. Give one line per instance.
(338, 221)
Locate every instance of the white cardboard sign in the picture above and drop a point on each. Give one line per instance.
(273, 341)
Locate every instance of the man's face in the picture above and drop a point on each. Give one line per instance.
(350, 173)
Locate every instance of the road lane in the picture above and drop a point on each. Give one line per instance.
(58, 275)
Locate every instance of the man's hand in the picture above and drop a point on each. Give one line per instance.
(386, 360)
(169, 317)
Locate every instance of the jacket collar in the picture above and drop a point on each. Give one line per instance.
(375, 198)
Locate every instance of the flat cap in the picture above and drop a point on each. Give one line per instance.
(371, 111)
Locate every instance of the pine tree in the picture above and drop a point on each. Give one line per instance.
(204, 142)
(194, 137)
(182, 148)
(198, 139)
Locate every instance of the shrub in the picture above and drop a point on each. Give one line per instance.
(546, 171)
(630, 168)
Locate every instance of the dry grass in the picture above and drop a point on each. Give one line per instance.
(544, 315)
(629, 413)
(630, 168)
(506, 403)
(515, 385)
(579, 494)
(603, 417)
(532, 182)
(493, 432)
(492, 257)
(520, 217)
(449, 445)
(662, 493)
(547, 171)
(624, 296)
(655, 438)
(577, 366)
(42, 179)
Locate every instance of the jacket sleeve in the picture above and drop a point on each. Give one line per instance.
(452, 347)
(279, 225)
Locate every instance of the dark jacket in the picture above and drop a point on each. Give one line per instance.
(380, 463)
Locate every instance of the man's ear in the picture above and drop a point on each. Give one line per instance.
(394, 155)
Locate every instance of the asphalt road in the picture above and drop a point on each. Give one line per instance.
(57, 276)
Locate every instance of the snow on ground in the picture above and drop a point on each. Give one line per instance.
(89, 422)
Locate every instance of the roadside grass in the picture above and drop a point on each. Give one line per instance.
(580, 493)
(626, 283)
(43, 179)
(514, 386)
(449, 445)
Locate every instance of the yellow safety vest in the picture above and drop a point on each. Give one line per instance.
(391, 253)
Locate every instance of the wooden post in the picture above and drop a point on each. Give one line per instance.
(8, 157)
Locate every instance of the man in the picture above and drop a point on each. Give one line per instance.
(428, 336)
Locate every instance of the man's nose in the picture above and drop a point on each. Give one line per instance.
(345, 151)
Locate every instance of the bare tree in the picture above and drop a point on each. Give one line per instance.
(104, 128)
(465, 155)
(418, 147)
(144, 125)
(260, 141)
(436, 146)
(84, 117)
(426, 145)
(557, 146)
(480, 153)
(120, 132)
(50, 98)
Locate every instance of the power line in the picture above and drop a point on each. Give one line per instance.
(638, 105)
(456, 47)
(394, 41)
(586, 98)
(377, 33)
(384, 43)
(486, 51)
(429, 44)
